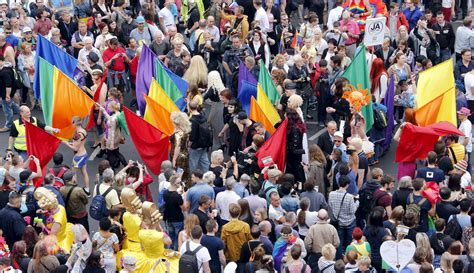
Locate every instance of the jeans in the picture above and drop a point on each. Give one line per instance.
(9, 108)
(173, 230)
(444, 54)
(345, 236)
(198, 159)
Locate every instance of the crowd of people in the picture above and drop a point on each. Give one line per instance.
(215, 206)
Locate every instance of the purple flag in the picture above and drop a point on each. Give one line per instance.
(389, 103)
(145, 73)
(245, 75)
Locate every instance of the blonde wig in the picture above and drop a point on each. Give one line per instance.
(197, 72)
(214, 80)
(181, 120)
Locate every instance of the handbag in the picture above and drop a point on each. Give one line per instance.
(335, 222)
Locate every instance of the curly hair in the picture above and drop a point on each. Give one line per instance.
(279, 76)
(182, 121)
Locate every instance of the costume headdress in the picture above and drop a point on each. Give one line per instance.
(357, 98)
(130, 200)
(150, 214)
(46, 198)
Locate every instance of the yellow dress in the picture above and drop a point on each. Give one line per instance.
(131, 246)
(65, 235)
(154, 249)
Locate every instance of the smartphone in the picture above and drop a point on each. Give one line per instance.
(179, 170)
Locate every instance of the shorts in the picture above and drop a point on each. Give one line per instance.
(79, 161)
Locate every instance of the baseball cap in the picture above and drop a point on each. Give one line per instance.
(242, 115)
(290, 85)
(3, 2)
(338, 134)
(139, 20)
(273, 173)
(128, 12)
(26, 29)
(68, 175)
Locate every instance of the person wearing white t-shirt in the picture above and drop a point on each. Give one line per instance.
(275, 211)
(166, 17)
(335, 14)
(465, 126)
(202, 255)
(261, 16)
(225, 198)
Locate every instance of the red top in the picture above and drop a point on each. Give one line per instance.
(134, 68)
(119, 64)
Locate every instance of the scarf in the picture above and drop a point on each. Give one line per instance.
(279, 250)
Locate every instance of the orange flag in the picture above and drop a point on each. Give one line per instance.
(257, 115)
(69, 101)
(161, 118)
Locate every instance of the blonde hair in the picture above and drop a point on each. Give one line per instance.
(447, 262)
(295, 100)
(182, 121)
(364, 260)
(209, 177)
(197, 72)
(328, 251)
(189, 222)
(262, 212)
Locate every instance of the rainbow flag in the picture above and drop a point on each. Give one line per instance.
(263, 109)
(159, 109)
(267, 85)
(436, 95)
(62, 99)
(174, 86)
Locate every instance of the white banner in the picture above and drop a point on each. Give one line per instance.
(374, 31)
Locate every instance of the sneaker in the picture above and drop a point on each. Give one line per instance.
(86, 190)
(4, 129)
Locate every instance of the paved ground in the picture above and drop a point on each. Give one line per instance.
(129, 151)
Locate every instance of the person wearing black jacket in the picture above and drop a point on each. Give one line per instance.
(439, 241)
(444, 36)
(198, 158)
(299, 74)
(446, 208)
(284, 30)
(294, 145)
(7, 91)
(12, 224)
(209, 51)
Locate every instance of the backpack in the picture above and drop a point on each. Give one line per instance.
(98, 208)
(453, 228)
(58, 181)
(161, 200)
(380, 119)
(303, 269)
(263, 192)
(205, 135)
(415, 208)
(470, 267)
(188, 262)
(367, 201)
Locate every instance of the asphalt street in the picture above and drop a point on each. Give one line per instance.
(128, 150)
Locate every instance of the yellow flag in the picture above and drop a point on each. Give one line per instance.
(266, 106)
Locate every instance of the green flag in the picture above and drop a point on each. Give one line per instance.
(358, 75)
(46, 89)
(265, 80)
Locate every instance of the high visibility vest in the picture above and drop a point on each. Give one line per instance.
(20, 140)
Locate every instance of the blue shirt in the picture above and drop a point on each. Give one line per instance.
(430, 174)
(241, 190)
(12, 40)
(290, 203)
(352, 189)
(196, 191)
(213, 245)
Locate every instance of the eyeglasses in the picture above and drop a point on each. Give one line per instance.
(337, 141)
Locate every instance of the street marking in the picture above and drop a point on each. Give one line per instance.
(315, 136)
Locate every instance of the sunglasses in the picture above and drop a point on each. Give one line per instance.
(336, 141)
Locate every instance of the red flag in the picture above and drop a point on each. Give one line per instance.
(294, 41)
(416, 141)
(91, 122)
(42, 145)
(151, 143)
(275, 147)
